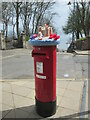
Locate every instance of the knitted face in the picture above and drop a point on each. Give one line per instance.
(46, 25)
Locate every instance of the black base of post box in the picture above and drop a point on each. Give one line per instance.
(45, 109)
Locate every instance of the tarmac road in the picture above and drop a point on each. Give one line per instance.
(18, 64)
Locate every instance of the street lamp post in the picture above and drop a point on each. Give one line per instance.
(73, 24)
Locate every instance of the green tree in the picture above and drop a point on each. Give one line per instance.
(81, 20)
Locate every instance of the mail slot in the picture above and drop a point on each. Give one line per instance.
(40, 54)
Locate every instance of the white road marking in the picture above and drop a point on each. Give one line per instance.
(11, 56)
(69, 79)
(8, 56)
(79, 79)
(65, 79)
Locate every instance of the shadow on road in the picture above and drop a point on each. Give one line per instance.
(30, 112)
(23, 112)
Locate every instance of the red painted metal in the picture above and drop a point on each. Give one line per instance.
(45, 80)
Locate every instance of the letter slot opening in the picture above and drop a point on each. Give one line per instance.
(36, 54)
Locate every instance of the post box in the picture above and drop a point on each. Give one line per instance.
(44, 54)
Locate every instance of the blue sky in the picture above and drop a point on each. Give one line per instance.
(62, 9)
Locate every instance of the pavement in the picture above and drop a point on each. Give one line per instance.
(17, 85)
(84, 52)
(18, 99)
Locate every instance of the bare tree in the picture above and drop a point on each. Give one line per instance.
(17, 6)
(41, 11)
(6, 15)
(26, 14)
(32, 14)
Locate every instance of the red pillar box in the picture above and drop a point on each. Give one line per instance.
(44, 53)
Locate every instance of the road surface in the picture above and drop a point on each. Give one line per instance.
(18, 64)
